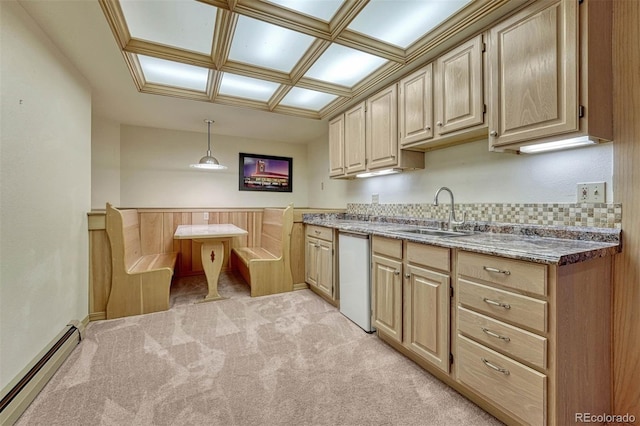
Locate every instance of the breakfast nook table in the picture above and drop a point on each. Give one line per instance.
(212, 251)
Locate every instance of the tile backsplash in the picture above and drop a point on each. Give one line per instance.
(599, 215)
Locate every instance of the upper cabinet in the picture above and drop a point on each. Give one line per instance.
(542, 74)
(416, 107)
(458, 89)
(381, 132)
(354, 139)
(443, 103)
(336, 148)
(369, 138)
(550, 74)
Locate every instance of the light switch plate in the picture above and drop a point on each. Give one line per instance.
(375, 198)
(591, 192)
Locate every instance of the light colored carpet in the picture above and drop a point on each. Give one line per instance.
(287, 359)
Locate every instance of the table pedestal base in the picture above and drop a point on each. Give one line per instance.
(212, 252)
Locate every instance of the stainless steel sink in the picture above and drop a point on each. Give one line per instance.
(434, 232)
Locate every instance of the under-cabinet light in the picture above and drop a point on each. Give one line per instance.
(557, 145)
(378, 173)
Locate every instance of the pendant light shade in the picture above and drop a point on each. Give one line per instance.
(208, 162)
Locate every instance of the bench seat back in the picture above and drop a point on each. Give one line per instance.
(271, 238)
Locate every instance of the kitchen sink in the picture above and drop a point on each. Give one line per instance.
(434, 232)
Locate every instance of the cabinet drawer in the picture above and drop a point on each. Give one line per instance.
(430, 256)
(514, 308)
(387, 246)
(515, 387)
(516, 274)
(320, 232)
(510, 340)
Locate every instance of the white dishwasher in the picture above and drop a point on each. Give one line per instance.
(354, 264)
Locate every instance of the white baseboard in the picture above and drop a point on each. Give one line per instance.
(24, 388)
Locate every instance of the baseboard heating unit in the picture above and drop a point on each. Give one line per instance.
(18, 394)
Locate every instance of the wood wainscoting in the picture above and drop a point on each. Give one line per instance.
(157, 227)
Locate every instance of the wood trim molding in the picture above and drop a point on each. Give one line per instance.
(626, 156)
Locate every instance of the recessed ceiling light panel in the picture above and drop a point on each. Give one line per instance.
(344, 66)
(401, 23)
(321, 9)
(186, 25)
(246, 87)
(307, 99)
(266, 45)
(175, 74)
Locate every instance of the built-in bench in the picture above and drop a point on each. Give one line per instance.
(267, 267)
(140, 283)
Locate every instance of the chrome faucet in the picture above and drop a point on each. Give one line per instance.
(452, 213)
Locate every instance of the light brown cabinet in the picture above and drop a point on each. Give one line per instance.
(370, 138)
(532, 339)
(355, 144)
(320, 261)
(336, 146)
(550, 74)
(381, 132)
(459, 88)
(443, 102)
(416, 107)
(411, 297)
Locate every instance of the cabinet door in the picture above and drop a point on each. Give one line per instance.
(325, 268)
(387, 295)
(382, 129)
(427, 313)
(354, 139)
(533, 59)
(336, 146)
(311, 261)
(416, 106)
(459, 94)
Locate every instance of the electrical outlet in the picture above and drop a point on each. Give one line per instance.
(375, 198)
(591, 192)
(205, 215)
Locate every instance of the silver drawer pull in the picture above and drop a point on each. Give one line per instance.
(496, 335)
(494, 303)
(396, 272)
(316, 231)
(496, 270)
(495, 367)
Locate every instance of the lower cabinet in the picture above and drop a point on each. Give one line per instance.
(320, 261)
(528, 342)
(533, 340)
(411, 292)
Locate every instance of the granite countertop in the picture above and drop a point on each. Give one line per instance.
(533, 243)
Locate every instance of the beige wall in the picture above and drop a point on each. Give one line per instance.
(45, 191)
(105, 167)
(475, 175)
(155, 172)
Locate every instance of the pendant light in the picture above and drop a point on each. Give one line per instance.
(208, 162)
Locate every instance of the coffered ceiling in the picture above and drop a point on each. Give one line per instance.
(309, 58)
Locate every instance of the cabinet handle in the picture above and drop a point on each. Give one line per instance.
(496, 270)
(439, 124)
(494, 303)
(316, 231)
(407, 276)
(396, 272)
(428, 128)
(493, 133)
(495, 367)
(317, 246)
(496, 335)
